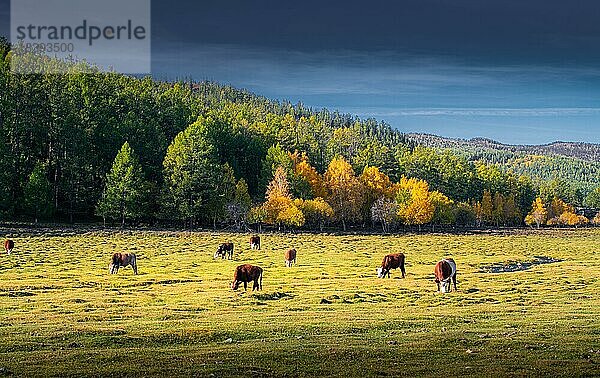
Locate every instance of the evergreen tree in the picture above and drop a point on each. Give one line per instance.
(192, 175)
(125, 194)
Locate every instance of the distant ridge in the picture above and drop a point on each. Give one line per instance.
(579, 150)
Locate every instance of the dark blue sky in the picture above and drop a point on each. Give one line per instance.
(516, 71)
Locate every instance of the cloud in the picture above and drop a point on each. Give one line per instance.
(345, 72)
(321, 72)
(480, 112)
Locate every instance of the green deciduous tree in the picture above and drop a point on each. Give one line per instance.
(38, 193)
(593, 199)
(316, 211)
(239, 207)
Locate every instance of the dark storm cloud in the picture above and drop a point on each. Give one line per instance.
(4, 18)
(510, 29)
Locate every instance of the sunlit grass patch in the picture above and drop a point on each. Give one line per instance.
(61, 313)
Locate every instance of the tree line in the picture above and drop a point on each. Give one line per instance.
(84, 146)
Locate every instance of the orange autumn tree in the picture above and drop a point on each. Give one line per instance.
(572, 219)
(308, 173)
(279, 207)
(415, 205)
(345, 192)
(596, 219)
(557, 208)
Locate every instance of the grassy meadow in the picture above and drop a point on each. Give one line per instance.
(62, 314)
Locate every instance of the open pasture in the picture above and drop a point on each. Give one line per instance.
(62, 314)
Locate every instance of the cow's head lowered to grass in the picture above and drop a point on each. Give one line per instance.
(445, 273)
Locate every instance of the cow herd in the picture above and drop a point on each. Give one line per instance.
(444, 270)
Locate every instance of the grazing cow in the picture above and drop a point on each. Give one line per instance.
(255, 242)
(445, 271)
(9, 245)
(390, 262)
(246, 273)
(290, 257)
(121, 260)
(225, 250)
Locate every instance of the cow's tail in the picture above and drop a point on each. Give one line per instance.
(134, 263)
(260, 280)
(402, 267)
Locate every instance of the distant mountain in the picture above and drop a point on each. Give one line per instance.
(584, 151)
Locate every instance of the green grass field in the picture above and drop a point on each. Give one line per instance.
(62, 314)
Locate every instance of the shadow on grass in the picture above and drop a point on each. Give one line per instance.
(518, 266)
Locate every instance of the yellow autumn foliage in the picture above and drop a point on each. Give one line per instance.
(310, 174)
(345, 192)
(377, 183)
(415, 206)
(538, 214)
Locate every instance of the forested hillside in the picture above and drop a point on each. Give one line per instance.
(584, 151)
(576, 163)
(86, 146)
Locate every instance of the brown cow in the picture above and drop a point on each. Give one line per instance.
(121, 260)
(445, 271)
(390, 262)
(290, 257)
(255, 242)
(246, 273)
(225, 250)
(9, 245)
